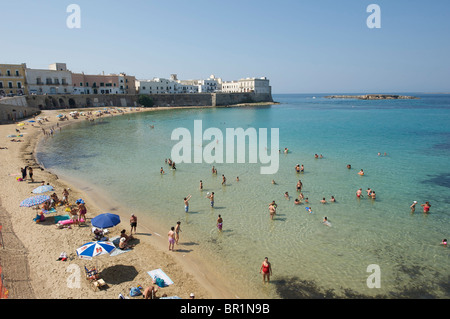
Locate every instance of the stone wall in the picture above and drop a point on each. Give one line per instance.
(13, 113)
(45, 102)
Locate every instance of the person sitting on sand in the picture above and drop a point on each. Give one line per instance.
(123, 244)
(54, 200)
(124, 235)
(150, 292)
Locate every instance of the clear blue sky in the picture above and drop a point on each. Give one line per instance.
(309, 46)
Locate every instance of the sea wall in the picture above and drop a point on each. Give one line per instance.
(15, 108)
(45, 102)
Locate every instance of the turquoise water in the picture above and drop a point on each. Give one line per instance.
(122, 156)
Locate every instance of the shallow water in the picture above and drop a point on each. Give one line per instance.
(123, 155)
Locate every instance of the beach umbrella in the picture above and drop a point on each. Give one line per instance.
(95, 248)
(42, 189)
(32, 121)
(35, 200)
(21, 124)
(59, 115)
(105, 220)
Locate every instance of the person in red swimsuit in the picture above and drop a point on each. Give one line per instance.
(266, 270)
(426, 207)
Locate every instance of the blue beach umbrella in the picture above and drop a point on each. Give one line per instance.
(42, 189)
(32, 121)
(35, 200)
(105, 220)
(95, 248)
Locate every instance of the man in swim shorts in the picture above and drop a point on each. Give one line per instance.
(133, 223)
(186, 203)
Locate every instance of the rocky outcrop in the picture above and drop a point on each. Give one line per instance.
(372, 97)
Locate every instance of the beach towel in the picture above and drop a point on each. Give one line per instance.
(62, 217)
(158, 273)
(115, 252)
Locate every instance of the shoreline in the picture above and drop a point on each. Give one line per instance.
(150, 252)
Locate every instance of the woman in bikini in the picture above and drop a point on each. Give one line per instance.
(266, 270)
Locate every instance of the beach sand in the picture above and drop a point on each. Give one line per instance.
(30, 252)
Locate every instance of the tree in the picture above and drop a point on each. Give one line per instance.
(145, 100)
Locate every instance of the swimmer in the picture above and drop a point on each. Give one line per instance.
(426, 207)
(349, 166)
(369, 192)
(211, 198)
(413, 207)
(323, 201)
(299, 186)
(302, 168)
(300, 196)
(333, 200)
(325, 221)
(309, 209)
(297, 168)
(186, 203)
(219, 223)
(272, 211)
(358, 193)
(201, 185)
(237, 178)
(297, 201)
(372, 195)
(286, 195)
(161, 171)
(286, 150)
(444, 242)
(316, 156)
(273, 182)
(306, 200)
(224, 180)
(361, 172)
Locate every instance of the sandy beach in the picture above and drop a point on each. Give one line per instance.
(29, 256)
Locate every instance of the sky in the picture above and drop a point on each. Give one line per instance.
(310, 46)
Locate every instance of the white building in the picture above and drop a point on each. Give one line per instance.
(256, 85)
(155, 86)
(56, 80)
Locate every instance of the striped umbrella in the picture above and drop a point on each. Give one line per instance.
(35, 200)
(43, 189)
(95, 248)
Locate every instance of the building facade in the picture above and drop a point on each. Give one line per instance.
(56, 80)
(256, 85)
(13, 79)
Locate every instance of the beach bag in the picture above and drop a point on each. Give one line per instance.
(135, 291)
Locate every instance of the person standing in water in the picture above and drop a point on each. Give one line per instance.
(219, 223)
(177, 232)
(266, 270)
(186, 203)
(413, 207)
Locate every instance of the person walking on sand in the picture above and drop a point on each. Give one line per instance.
(133, 223)
(171, 236)
(177, 232)
(266, 270)
(30, 173)
(24, 172)
(186, 203)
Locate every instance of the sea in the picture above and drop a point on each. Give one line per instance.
(370, 248)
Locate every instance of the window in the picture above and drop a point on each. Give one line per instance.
(102, 84)
(1, 85)
(87, 83)
(38, 81)
(8, 72)
(10, 85)
(81, 83)
(19, 85)
(17, 72)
